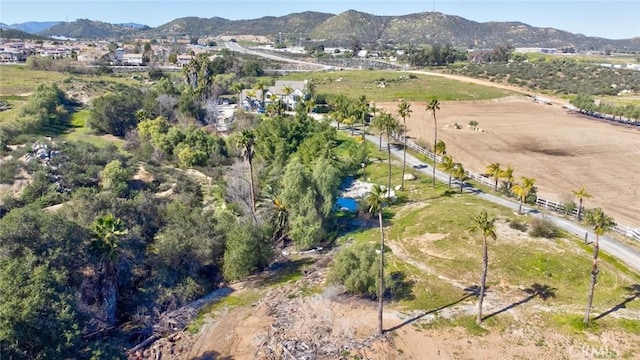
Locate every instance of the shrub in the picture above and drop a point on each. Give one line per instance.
(543, 227)
(356, 267)
(568, 207)
(8, 171)
(518, 225)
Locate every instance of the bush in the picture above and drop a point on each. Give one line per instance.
(543, 227)
(518, 225)
(356, 267)
(8, 171)
(568, 207)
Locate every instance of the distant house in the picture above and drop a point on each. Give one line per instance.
(298, 93)
(184, 60)
(132, 59)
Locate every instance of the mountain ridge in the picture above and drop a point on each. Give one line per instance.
(425, 28)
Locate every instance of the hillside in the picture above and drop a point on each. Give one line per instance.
(349, 26)
(17, 34)
(87, 29)
(31, 27)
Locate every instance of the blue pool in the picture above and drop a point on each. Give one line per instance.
(346, 204)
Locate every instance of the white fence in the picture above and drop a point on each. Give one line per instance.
(547, 204)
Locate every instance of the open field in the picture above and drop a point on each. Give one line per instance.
(386, 85)
(562, 151)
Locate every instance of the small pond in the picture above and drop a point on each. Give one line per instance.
(346, 204)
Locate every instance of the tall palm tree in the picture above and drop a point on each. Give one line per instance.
(600, 223)
(404, 111)
(262, 86)
(581, 194)
(363, 108)
(309, 105)
(522, 190)
(287, 91)
(388, 125)
(432, 106)
(460, 174)
(246, 144)
(237, 89)
(495, 172)
(448, 166)
(376, 200)
(106, 232)
(488, 229)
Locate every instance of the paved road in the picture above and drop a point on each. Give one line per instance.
(235, 47)
(613, 247)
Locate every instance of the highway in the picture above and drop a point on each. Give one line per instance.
(237, 48)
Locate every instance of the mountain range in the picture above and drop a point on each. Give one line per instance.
(351, 26)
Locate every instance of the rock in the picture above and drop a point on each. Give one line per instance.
(409, 177)
(398, 187)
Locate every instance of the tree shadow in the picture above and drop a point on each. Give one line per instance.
(471, 291)
(544, 292)
(634, 293)
(399, 288)
(284, 271)
(211, 355)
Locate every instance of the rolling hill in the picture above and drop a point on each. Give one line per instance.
(349, 26)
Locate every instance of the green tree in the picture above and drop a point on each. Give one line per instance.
(115, 113)
(246, 144)
(460, 174)
(107, 232)
(448, 166)
(581, 194)
(261, 85)
(376, 200)
(495, 172)
(507, 174)
(432, 106)
(486, 226)
(404, 111)
(247, 250)
(115, 177)
(237, 89)
(356, 267)
(600, 223)
(522, 190)
(38, 316)
(287, 91)
(388, 126)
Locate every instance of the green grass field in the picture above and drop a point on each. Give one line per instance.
(20, 80)
(397, 85)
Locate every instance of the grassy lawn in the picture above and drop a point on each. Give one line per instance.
(397, 85)
(79, 131)
(20, 80)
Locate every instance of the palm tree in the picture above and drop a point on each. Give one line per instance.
(600, 223)
(262, 86)
(581, 194)
(448, 166)
(441, 148)
(237, 89)
(106, 232)
(246, 145)
(522, 190)
(309, 105)
(488, 229)
(287, 91)
(507, 174)
(388, 125)
(460, 174)
(404, 111)
(432, 106)
(341, 109)
(363, 108)
(376, 200)
(495, 172)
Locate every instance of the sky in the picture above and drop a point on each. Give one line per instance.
(615, 19)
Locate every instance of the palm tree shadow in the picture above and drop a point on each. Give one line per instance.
(469, 292)
(544, 292)
(634, 293)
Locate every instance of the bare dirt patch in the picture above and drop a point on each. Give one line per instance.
(561, 150)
